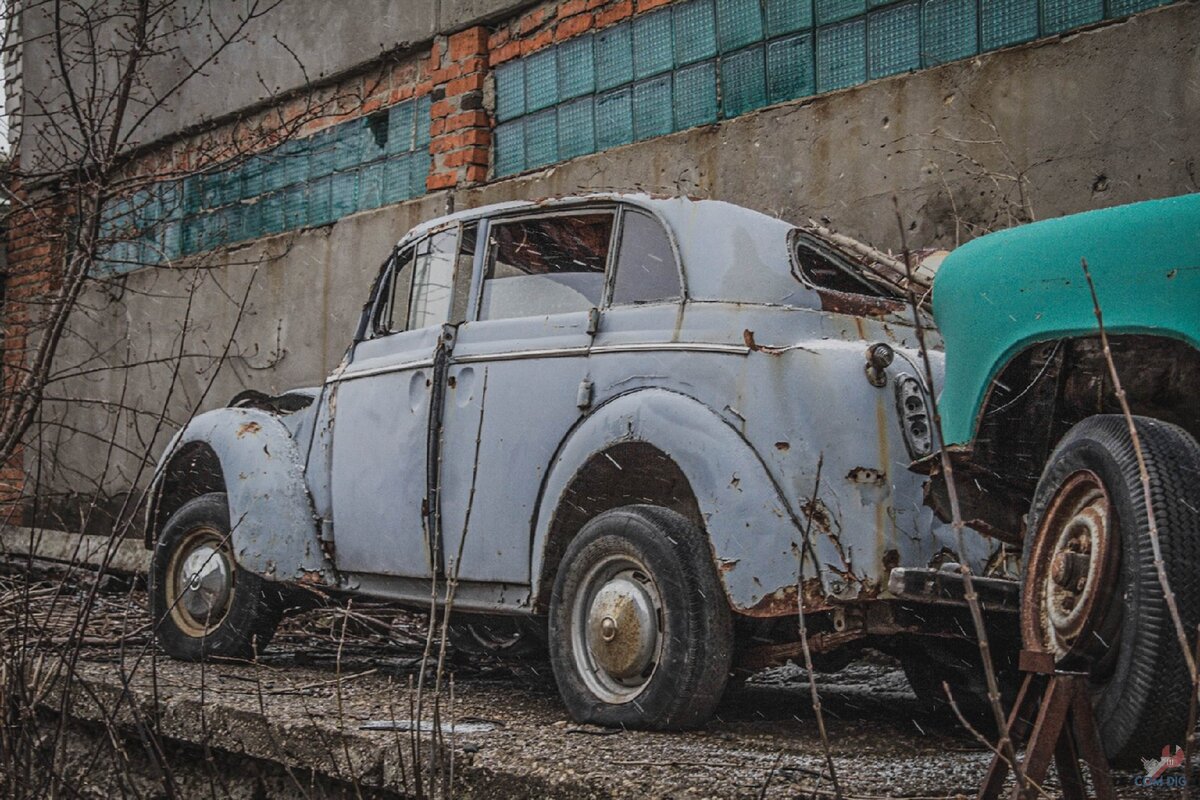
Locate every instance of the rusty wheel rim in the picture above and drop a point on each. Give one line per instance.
(200, 581)
(1070, 580)
(617, 630)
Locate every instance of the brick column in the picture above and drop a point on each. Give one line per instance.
(32, 237)
(460, 128)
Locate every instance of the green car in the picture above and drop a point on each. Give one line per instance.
(1043, 455)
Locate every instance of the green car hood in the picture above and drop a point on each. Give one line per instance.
(997, 295)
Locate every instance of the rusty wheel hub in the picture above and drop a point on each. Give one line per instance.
(200, 581)
(1070, 579)
(617, 630)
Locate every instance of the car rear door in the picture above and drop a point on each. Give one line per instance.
(518, 381)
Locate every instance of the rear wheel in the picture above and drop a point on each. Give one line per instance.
(640, 631)
(1091, 596)
(202, 604)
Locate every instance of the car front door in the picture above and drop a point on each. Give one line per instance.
(382, 406)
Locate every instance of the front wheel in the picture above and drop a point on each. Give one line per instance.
(1091, 595)
(201, 603)
(640, 631)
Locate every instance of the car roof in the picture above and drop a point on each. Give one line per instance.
(729, 253)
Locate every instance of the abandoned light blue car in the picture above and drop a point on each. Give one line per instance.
(641, 430)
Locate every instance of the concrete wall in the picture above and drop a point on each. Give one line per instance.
(1099, 118)
(296, 43)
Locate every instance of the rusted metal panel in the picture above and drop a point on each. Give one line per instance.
(275, 531)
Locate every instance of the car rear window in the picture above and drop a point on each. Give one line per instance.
(546, 265)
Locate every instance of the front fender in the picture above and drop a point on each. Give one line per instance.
(733, 489)
(275, 532)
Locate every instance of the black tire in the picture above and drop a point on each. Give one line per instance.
(689, 664)
(248, 617)
(1140, 682)
(510, 638)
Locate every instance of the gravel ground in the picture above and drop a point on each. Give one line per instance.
(762, 743)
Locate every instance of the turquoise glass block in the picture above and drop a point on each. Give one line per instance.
(193, 229)
(837, 10)
(653, 50)
(170, 199)
(541, 80)
(370, 186)
(172, 240)
(739, 23)
(273, 216)
(614, 56)
(344, 193)
(894, 40)
(296, 165)
(230, 181)
(509, 150)
(348, 144)
(293, 207)
(614, 119)
(1121, 8)
(576, 129)
(695, 31)
(950, 29)
(400, 127)
(252, 177)
(841, 55)
(653, 114)
(374, 137)
(212, 188)
(320, 201)
(576, 68)
(397, 179)
(251, 220)
(193, 194)
(541, 139)
(695, 95)
(743, 82)
(786, 16)
(421, 162)
(145, 208)
(1063, 15)
(321, 154)
(274, 171)
(790, 68)
(1005, 22)
(510, 89)
(421, 116)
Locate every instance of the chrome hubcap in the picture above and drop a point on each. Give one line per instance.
(618, 629)
(201, 582)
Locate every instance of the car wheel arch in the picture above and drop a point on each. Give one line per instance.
(684, 432)
(261, 471)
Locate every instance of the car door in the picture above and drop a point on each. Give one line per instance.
(519, 381)
(382, 415)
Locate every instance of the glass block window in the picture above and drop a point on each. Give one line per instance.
(697, 60)
(350, 167)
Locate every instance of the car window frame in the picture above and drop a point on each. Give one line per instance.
(484, 238)
(798, 237)
(615, 251)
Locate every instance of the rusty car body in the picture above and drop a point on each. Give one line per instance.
(562, 361)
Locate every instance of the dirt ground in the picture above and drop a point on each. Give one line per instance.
(306, 702)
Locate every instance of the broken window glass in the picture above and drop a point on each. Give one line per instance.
(391, 315)
(646, 270)
(433, 280)
(824, 269)
(546, 265)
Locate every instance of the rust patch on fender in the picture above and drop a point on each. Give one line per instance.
(784, 601)
(866, 476)
(857, 305)
(817, 511)
(247, 428)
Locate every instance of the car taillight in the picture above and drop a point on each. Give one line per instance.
(915, 419)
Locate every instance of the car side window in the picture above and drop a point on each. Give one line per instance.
(433, 280)
(825, 270)
(545, 265)
(646, 269)
(391, 312)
